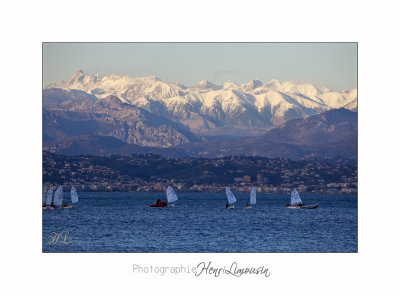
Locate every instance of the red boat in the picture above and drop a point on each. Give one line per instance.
(159, 203)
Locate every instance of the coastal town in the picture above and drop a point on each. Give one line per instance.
(153, 173)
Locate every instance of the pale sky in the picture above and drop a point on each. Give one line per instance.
(333, 65)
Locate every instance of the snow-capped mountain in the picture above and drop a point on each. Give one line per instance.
(209, 109)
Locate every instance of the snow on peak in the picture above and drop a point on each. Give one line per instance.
(154, 78)
(253, 84)
(266, 104)
(76, 78)
(180, 85)
(230, 84)
(204, 85)
(78, 73)
(324, 89)
(304, 89)
(273, 84)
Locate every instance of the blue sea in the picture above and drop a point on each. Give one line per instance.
(199, 222)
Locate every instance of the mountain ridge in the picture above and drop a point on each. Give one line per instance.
(208, 109)
(337, 142)
(111, 117)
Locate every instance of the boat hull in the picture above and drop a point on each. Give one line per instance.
(159, 205)
(249, 207)
(52, 208)
(230, 207)
(302, 207)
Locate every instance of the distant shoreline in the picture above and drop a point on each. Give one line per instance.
(214, 192)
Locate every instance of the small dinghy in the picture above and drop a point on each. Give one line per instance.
(296, 202)
(159, 203)
(44, 196)
(171, 198)
(49, 199)
(74, 198)
(230, 198)
(58, 197)
(252, 200)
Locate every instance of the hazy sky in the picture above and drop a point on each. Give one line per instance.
(323, 64)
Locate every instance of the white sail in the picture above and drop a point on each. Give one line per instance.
(49, 197)
(44, 196)
(74, 195)
(295, 198)
(253, 196)
(229, 195)
(171, 195)
(61, 195)
(58, 196)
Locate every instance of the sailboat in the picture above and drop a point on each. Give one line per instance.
(74, 195)
(44, 196)
(297, 203)
(230, 198)
(58, 196)
(49, 199)
(171, 197)
(74, 198)
(252, 200)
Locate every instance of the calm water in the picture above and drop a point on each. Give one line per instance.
(124, 222)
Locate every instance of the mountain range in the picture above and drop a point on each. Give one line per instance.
(122, 115)
(330, 134)
(205, 109)
(111, 117)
